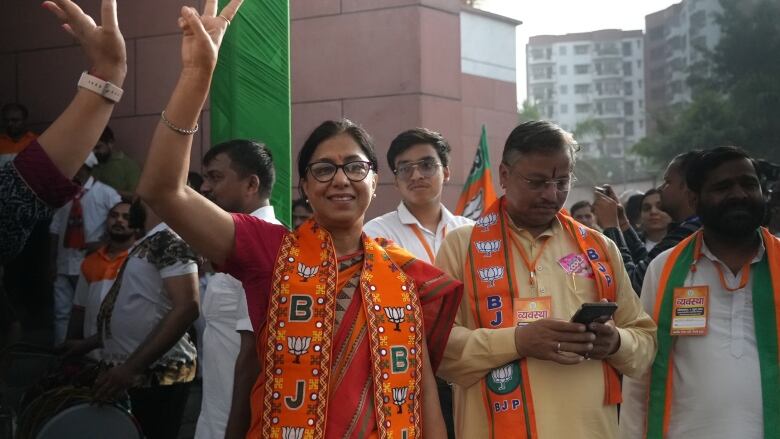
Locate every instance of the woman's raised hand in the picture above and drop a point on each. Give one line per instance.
(203, 34)
(103, 44)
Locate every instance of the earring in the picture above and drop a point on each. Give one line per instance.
(374, 195)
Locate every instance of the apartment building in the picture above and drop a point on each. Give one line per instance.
(592, 76)
(674, 43)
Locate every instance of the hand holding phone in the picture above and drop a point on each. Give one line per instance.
(594, 312)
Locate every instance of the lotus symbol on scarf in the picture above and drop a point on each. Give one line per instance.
(307, 272)
(395, 315)
(292, 432)
(491, 275)
(399, 397)
(298, 346)
(487, 248)
(488, 220)
(502, 375)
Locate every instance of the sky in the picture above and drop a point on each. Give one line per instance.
(558, 17)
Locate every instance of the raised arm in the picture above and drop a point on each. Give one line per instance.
(75, 132)
(206, 227)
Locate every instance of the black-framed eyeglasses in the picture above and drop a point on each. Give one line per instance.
(427, 168)
(325, 171)
(562, 184)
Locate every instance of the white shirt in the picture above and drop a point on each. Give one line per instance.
(399, 227)
(225, 312)
(717, 380)
(98, 199)
(142, 302)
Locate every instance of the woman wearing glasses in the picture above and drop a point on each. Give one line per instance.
(342, 322)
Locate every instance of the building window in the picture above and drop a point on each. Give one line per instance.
(628, 108)
(611, 107)
(582, 108)
(641, 104)
(562, 70)
(627, 70)
(564, 89)
(641, 124)
(564, 108)
(562, 50)
(627, 48)
(628, 88)
(537, 53)
(638, 44)
(628, 129)
(638, 64)
(581, 49)
(581, 69)
(581, 88)
(639, 83)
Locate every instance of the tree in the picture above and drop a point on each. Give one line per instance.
(529, 112)
(735, 91)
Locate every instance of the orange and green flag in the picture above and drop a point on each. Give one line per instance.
(478, 193)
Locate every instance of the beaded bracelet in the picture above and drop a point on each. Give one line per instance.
(182, 131)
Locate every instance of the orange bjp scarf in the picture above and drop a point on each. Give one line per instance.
(300, 329)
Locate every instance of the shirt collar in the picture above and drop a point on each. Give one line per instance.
(265, 213)
(555, 227)
(705, 251)
(90, 182)
(158, 228)
(407, 218)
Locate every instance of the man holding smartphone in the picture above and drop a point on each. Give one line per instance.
(520, 366)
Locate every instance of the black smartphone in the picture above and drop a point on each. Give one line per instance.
(594, 312)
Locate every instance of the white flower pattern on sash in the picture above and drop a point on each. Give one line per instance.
(395, 315)
(488, 220)
(307, 272)
(298, 346)
(491, 275)
(502, 375)
(292, 432)
(487, 248)
(399, 397)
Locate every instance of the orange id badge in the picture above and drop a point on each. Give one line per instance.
(530, 310)
(689, 310)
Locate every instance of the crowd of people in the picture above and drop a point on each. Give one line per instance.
(417, 323)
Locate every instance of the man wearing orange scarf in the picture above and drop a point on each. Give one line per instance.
(715, 298)
(521, 369)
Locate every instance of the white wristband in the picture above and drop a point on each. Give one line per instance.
(101, 87)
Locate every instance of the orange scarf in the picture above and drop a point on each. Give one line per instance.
(490, 285)
(300, 331)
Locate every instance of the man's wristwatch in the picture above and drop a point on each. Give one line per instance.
(101, 87)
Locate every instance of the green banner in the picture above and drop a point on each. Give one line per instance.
(250, 93)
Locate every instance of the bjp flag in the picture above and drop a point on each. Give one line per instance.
(478, 193)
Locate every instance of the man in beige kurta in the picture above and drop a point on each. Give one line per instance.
(564, 368)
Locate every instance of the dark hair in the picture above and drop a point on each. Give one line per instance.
(332, 128)
(633, 208)
(418, 136)
(538, 136)
(16, 106)
(653, 191)
(683, 161)
(579, 205)
(706, 161)
(247, 158)
(107, 136)
(123, 201)
(300, 202)
(194, 180)
(137, 215)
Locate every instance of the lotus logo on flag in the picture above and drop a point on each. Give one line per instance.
(487, 248)
(399, 397)
(475, 205)
(307, 272)
(292, 432)
(502, 375)
(298, 346)
(491, 275)
(488, 220)
(395, 315)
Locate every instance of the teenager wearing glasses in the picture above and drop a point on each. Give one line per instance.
(342, 322)
(419, 159)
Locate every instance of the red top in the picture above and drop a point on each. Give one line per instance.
(252, 262)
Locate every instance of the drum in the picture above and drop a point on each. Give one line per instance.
(69, 413)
